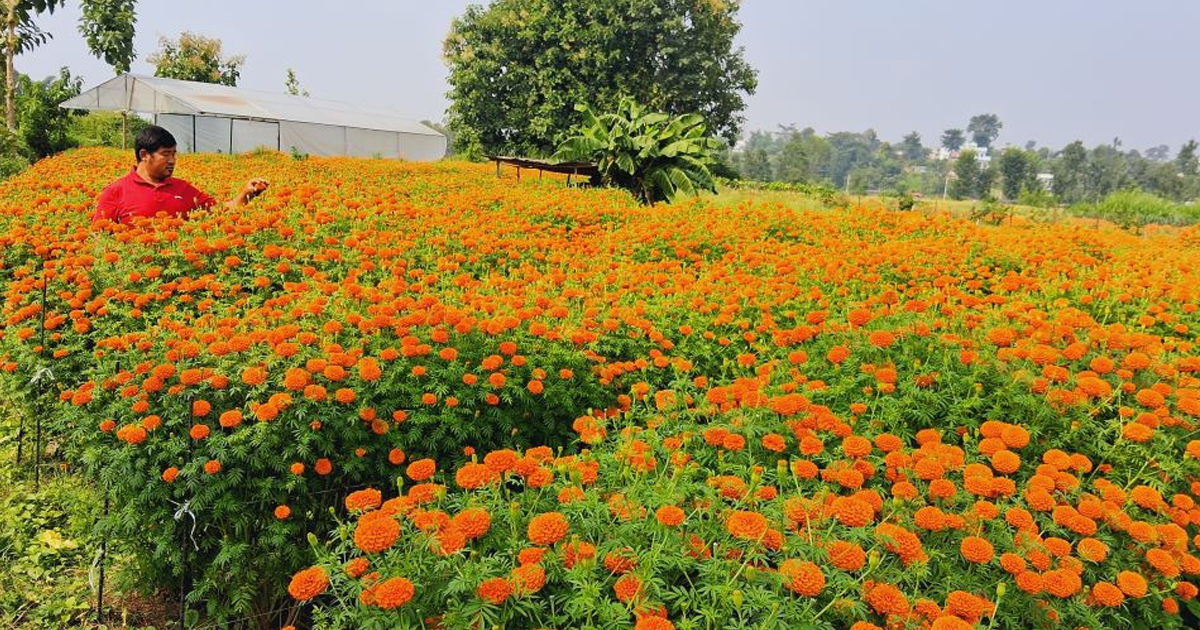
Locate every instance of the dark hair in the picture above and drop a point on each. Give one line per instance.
(151, 139)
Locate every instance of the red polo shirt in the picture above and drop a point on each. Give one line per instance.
(131, 196)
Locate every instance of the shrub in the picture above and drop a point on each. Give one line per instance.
(655, 156)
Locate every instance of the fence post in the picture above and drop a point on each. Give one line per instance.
(37, 443)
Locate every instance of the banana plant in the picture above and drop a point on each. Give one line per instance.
(655, 156)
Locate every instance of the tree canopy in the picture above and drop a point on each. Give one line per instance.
(194, 57)
(108, 28)
(518, 67)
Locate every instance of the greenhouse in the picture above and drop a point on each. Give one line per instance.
(209, 118)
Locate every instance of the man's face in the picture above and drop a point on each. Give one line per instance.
(160, 164)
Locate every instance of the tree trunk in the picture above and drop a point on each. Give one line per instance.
(124, 133)
(10, 76)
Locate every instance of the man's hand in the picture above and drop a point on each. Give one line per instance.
(254, 188)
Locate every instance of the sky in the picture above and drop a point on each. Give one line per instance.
(1054, 71)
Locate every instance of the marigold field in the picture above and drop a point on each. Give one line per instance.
(391, 395)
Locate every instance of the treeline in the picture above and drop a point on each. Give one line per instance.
(860, 162)
(43, 128)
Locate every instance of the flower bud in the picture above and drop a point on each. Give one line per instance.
(1001, 589)
(737, 598)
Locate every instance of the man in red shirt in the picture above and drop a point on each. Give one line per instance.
(149, 188)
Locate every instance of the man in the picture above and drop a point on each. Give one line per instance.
(149, 188)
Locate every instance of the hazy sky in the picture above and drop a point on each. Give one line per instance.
(1053, 70)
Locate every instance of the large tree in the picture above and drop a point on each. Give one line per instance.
(195, 57)
(953, 139)
(967, 174)
(1018, 171)
(984, 129)
(108, 27)
(911, 149)
(518, 67)
(20, 35)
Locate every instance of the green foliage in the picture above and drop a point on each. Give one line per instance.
(983, 129)
(44, 126)
(655, 156)
(103, 129)
(953, 139)
(194, 57)
(517, 67)
(46, 545)
(1133, 208)
(108, 28)
(966, 176)
(1036, 197)
(292, 84)
(1018, 172)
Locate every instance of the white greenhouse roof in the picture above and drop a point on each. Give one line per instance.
(157, 95)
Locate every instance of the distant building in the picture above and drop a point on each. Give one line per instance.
(1046, 180)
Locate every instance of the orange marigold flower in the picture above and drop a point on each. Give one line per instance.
(1061, 583)
(746, 525)
(393, 593)
(1107, 594)
(977, 550)
(361, 500)
(282, 512)
(886, 599)
(847, 556)
(473, 522)
(308, 583)
(254, 376)
(950, 622)
(853, 512)
(421, 469)
(548, 528)
(494, 591)
(473, 476)
(627, 588)
(323, 466)
(653, 623)
(774, 442)
(230, 419)
(669, 515)
(1132, 584)
(802, 577)
(528, 579)
(376, 532)
(357, 566)
(169, 475)
(212, 467)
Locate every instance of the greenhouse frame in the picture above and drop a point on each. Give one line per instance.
(209, 118)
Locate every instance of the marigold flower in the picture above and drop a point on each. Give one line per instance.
(308, 583)
(393, 593)
(746, 525)
(627, 588)
(361, 500)
(802, 577)
(977, 550)
(653, 623)
(421, 469)
(282, 512)
(528, 579)
(376, 532)
(494, 591)
(670, 515)
(548, 528)
(473, 522)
